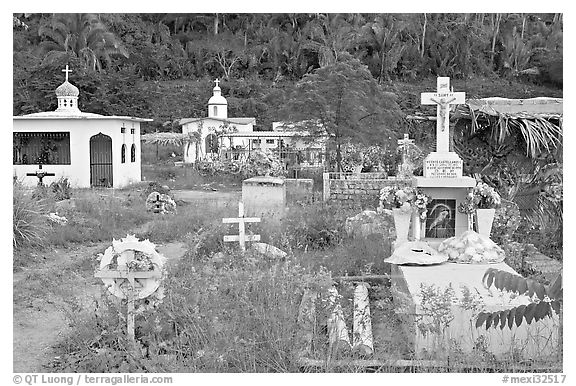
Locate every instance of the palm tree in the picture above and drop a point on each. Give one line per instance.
(329, 36)
(382, 39)
(83, 35)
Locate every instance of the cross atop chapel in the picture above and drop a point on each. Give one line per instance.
(442, 98)
(66, 70)
(216, 81)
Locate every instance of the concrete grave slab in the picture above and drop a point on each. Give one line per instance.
(469, 296)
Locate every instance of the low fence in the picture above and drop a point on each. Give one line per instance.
(358, 188)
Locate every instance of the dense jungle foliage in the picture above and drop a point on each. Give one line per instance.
(161, 65)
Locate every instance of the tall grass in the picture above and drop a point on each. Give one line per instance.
(28, 218)
(240, 317)
(99, 217)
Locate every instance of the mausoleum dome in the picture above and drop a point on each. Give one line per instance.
(67, 89)
(217, 98)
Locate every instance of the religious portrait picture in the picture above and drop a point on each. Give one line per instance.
(441, 220)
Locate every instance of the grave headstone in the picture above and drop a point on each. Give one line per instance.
(264, 197)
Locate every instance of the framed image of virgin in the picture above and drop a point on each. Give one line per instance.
(441, 220)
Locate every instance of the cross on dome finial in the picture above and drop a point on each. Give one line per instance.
(66, 71)
(216, 81)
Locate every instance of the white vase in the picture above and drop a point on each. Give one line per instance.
(402, 225)
(484, 220)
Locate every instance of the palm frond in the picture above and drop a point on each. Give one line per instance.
(170, 139)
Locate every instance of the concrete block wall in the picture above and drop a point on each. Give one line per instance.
(358, 189)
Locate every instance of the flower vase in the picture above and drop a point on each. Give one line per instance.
(484, 220)
(401, 224)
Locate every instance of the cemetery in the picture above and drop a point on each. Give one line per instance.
(415, 233)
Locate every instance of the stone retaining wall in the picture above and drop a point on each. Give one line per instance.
(357, 189)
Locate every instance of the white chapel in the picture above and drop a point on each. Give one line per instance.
(91, 150)
(210, 129)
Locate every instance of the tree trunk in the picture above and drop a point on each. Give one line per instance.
(496, 26)
(216, 24)
(423, 36)
(338, 157)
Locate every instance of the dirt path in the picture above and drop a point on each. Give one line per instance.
(39, 292)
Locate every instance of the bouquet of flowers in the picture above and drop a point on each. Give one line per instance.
(405, 198)
(482, 196)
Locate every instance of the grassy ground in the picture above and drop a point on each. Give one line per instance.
(223, 311)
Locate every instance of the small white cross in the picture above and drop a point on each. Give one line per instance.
(216, 81)
(241, 220)
(403, 144)
(66, 71)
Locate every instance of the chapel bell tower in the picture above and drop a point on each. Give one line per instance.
(217, 105)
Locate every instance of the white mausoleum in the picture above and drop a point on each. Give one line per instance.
(89, 149)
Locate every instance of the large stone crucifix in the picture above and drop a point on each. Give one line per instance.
(442, 98)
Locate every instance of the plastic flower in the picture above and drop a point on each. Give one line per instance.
(482, 196)
(406, 198)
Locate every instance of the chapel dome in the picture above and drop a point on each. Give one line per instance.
(67, 89)
(217, 98)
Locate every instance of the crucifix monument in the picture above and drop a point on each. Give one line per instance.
(443, 180)
(442, 162)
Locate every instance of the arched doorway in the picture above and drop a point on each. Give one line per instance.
(101, 161)
(211, 143)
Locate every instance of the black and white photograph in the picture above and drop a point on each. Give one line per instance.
(287, 193)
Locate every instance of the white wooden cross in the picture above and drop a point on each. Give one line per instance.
(242, 237)
(216, 81)
(442, 98)
(66, 71)
(123, 272)
(403, 144)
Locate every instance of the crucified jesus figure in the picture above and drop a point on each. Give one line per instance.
(444, 105)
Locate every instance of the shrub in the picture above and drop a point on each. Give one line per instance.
(316, 226)
(28, 221)
(61, 189)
